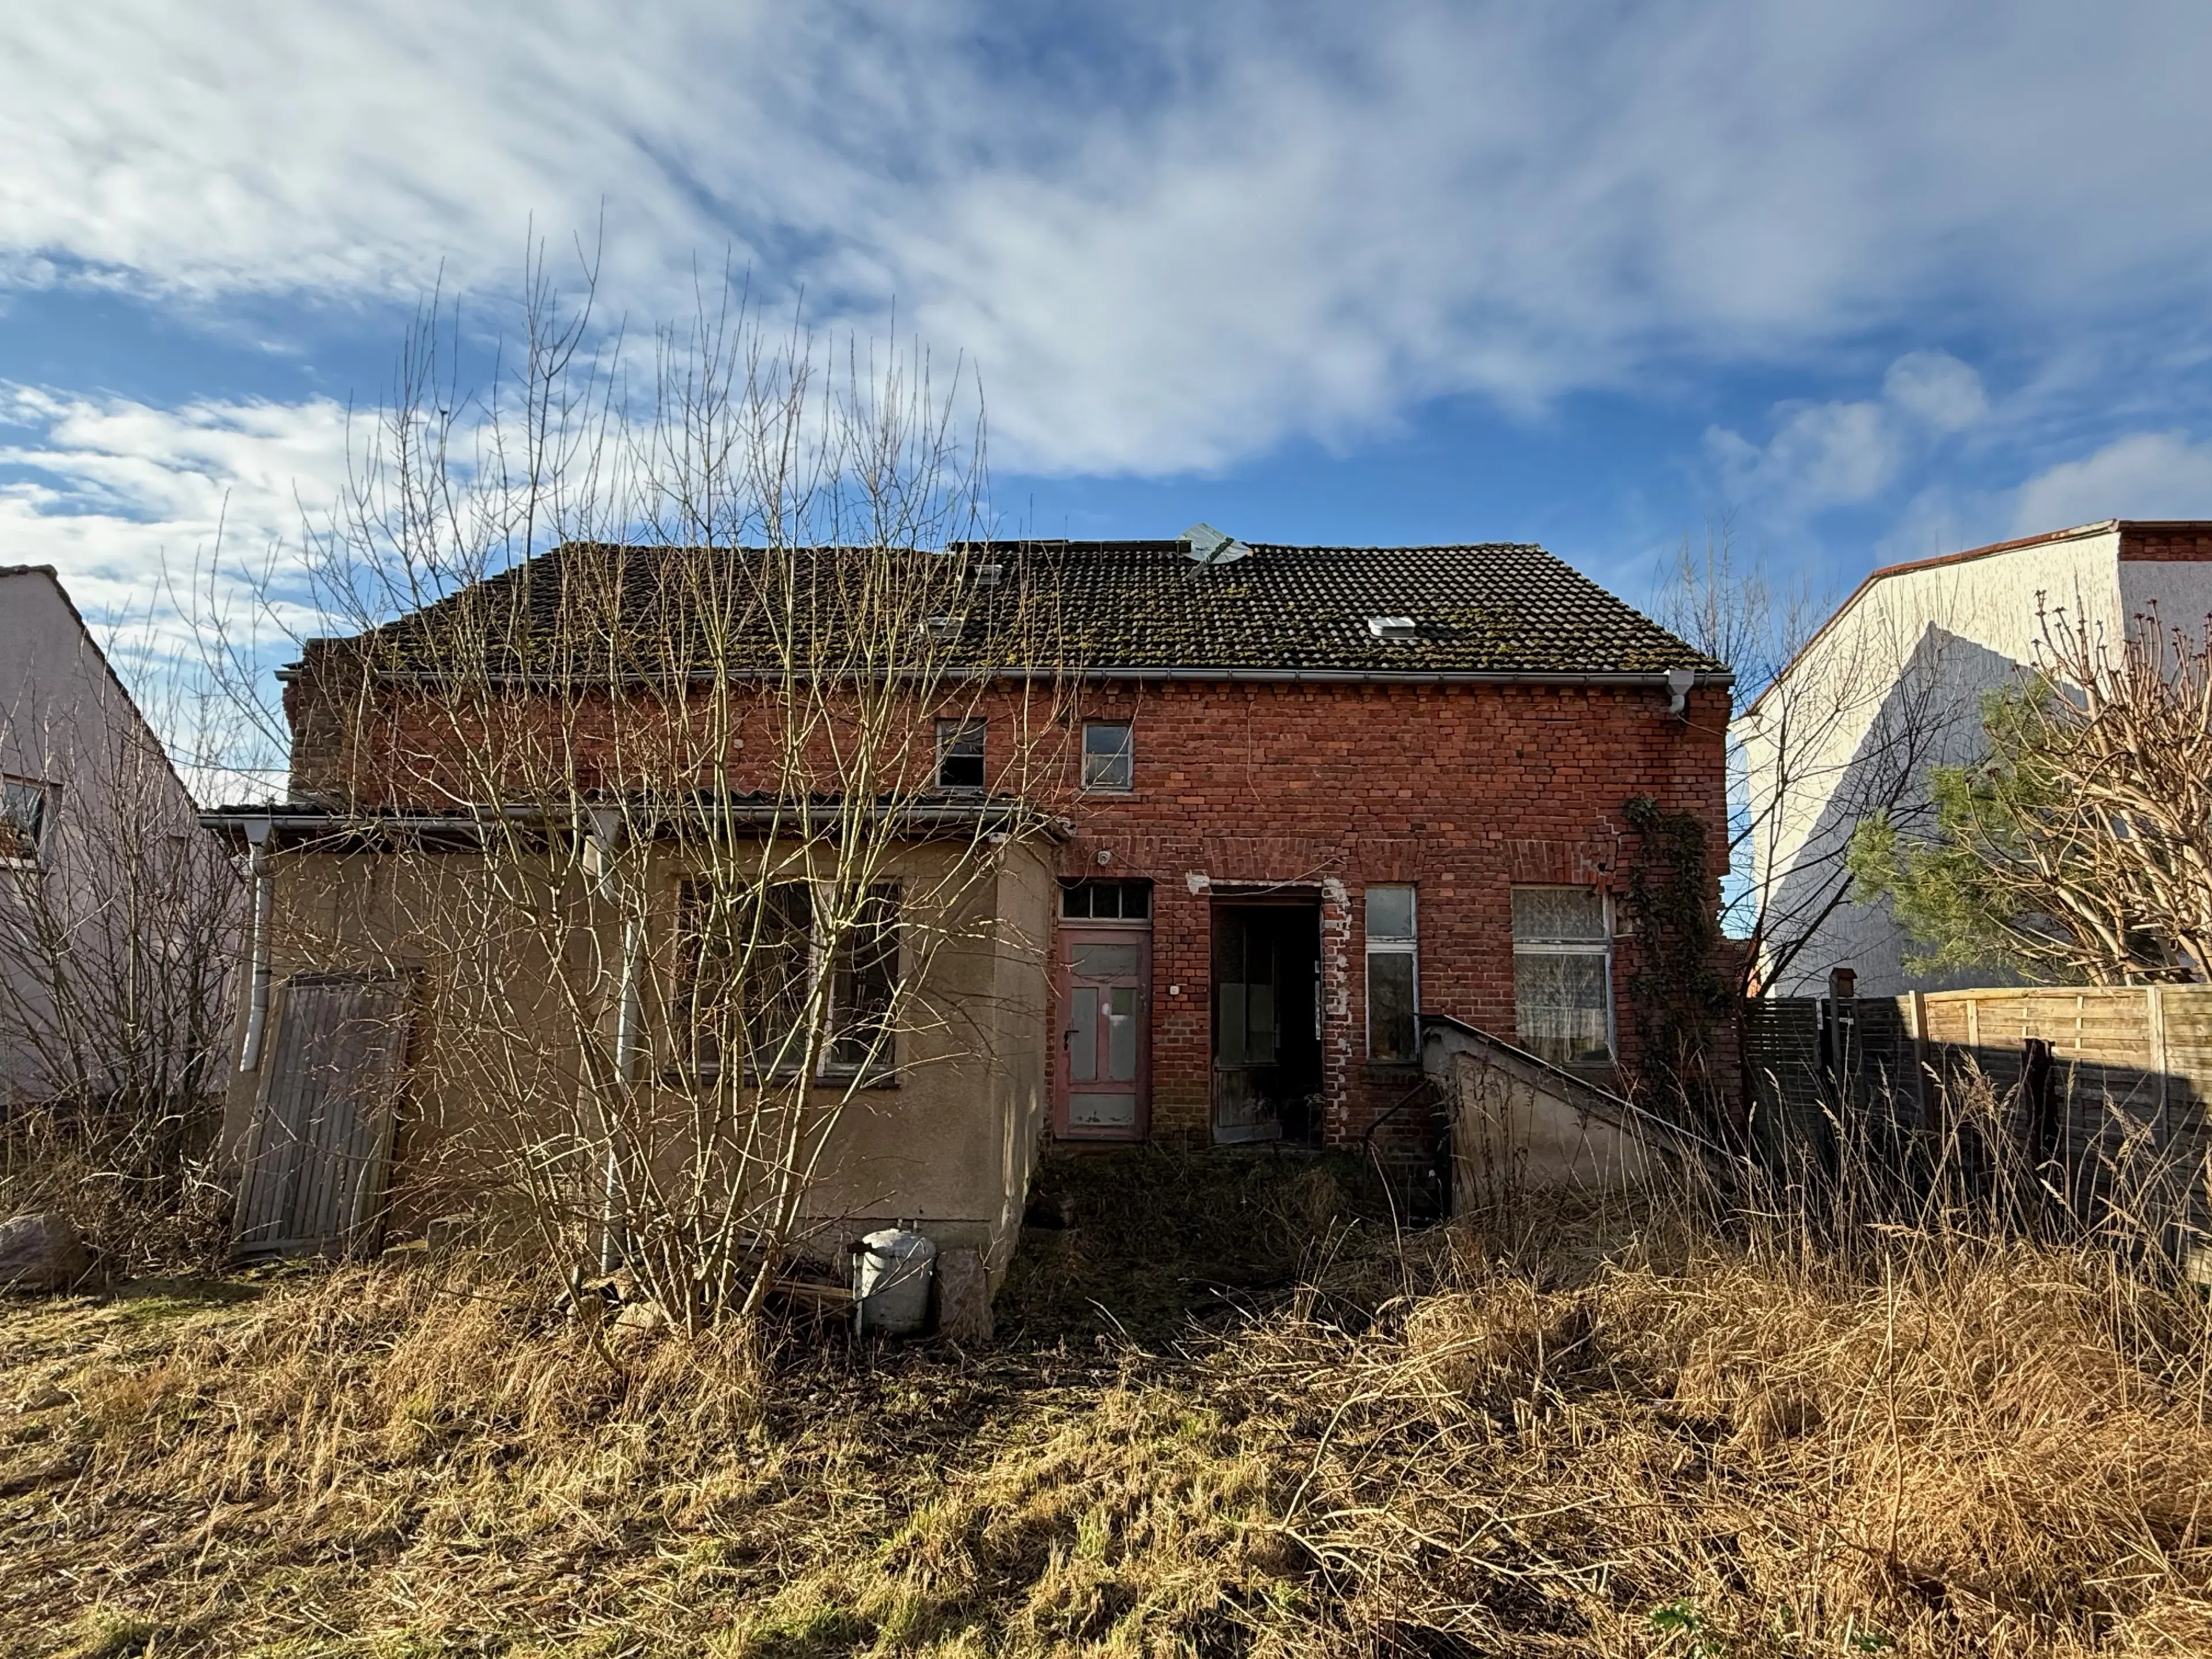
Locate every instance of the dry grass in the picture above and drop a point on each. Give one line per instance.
(1472, 1445)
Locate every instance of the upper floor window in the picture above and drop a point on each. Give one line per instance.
(1563, 975)
(960, 753)
(1393, 974)
(23, 819)
(1109, 758)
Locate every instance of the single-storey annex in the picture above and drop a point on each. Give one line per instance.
(1289, 801)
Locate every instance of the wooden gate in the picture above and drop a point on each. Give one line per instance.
(322, 1125)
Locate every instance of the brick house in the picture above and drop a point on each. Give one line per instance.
(1304, 796)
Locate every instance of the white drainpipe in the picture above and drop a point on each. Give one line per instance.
(611, 1229)
(264, 894)
(606, 830)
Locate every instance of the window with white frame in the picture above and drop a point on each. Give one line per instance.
(24, 808)
(748, 962)
(1108, 758)
(1563, 975)
(1393, 974)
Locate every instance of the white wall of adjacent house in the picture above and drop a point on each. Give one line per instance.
(1891, 689)
(75, 753)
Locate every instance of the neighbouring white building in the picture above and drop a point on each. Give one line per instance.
(1890, 687)
(117, 912)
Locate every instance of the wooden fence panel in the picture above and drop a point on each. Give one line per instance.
(322, 1129)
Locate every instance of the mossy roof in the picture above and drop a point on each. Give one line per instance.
(1139, 606)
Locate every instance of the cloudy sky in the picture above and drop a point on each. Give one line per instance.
(1875, 281)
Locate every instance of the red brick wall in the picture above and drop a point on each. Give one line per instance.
(2166, 541)
(1463, 791)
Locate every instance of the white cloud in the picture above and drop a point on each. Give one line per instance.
(123, 498)
(2146, 475)
(1937, 388)
(1171, 237)
(1843, 453)
(1821, 455)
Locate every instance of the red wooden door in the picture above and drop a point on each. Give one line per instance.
(1105, 1008)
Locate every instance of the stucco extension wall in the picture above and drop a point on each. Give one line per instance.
(499, 1012)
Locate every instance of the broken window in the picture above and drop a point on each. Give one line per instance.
(1106, 901)
(747, 962)
(1563, 975)
(1109, 759)
(746, 958)
(864, 978)
(23, 819)
(960, 754)
(1393, 974)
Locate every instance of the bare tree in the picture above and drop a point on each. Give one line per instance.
(664, 713)
(1835, 724)
(2081, 846)
(118, 917)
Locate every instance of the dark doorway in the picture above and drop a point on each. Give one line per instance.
(1267, 1020)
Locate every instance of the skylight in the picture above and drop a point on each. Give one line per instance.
(1391, 628)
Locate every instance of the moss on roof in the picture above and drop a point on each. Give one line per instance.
(1145, 606)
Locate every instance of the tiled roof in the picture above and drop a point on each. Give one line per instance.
(1490, 608)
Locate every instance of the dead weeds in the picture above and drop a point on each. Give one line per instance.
(1476, 1443)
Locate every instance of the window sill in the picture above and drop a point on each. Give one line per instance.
(699, 1077)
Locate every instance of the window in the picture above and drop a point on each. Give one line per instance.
(1106, 901)
(1393, 627)
(960, 754)
(22, 820)
(1563, 975)
(747, 962)
(1109, 761)
(864, 979)
(1393, 974)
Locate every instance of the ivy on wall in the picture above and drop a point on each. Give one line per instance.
(1681, 994)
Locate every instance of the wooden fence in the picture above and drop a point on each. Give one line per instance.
(2081, 1080)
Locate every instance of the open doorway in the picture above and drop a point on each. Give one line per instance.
(1266, 1019)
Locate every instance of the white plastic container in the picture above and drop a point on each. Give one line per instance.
(891, 1272)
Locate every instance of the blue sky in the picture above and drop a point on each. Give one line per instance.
(1872, 282)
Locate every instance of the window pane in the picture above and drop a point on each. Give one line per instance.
(1088, 1111)
(1390, 1005)
(22, 818)
(1558, 915)
(1107, 755)
(1122, 1033)
(867, 968)
(1390, 912)
(746, 959)
(1105, 962)
(1559, 1007)
(1075, 899)
(960, 754)
(1083, 1034)
(1136, 900)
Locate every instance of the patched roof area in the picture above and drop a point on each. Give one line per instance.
(1140, 607)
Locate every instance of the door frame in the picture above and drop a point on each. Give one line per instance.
(1256, 895)
(1084, 931)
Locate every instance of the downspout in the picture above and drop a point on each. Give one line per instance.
(606, 830)
(613, 1229)
(264, 896)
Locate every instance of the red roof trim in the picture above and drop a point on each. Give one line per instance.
(1911, 565)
